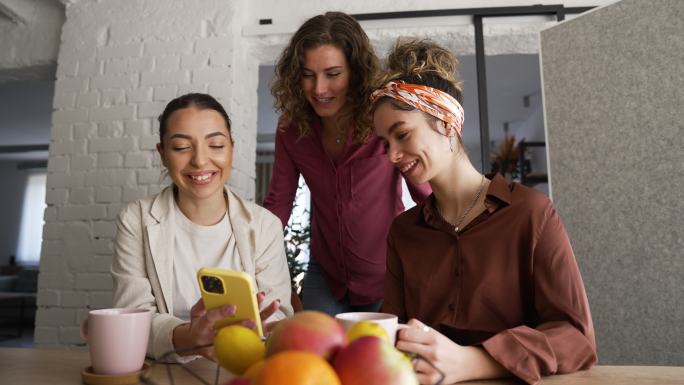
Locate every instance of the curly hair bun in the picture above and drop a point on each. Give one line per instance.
(423, 62)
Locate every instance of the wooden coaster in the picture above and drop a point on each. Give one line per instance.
(91, 378)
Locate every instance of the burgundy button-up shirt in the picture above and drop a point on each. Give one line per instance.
(355, 198)
(508, 282)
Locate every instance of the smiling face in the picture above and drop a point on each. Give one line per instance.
(325, 80)
(197, 152)
(413, 142)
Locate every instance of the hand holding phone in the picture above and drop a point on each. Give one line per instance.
(221, 287)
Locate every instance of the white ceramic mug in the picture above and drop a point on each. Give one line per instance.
(389, 322)
(117, 339)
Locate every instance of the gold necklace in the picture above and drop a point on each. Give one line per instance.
(457, 225)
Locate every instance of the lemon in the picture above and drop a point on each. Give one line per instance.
(237, 348)
(366, 328)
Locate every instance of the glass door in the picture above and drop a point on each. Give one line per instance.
(514, 113)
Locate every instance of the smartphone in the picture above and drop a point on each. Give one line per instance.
(221, 287)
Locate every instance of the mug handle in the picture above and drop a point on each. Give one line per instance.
(396, 334)
(84, 329)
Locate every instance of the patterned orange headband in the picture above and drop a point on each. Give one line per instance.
(427, 99)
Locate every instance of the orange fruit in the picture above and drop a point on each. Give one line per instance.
(293, 367)
(254, 370)
(237, 348)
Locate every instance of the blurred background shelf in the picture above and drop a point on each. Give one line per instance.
(527, 177)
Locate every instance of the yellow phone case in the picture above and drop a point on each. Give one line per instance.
(238, 290)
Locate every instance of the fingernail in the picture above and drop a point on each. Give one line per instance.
(229, 310)
(249, 323)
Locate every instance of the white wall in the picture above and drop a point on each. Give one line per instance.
(31, 41)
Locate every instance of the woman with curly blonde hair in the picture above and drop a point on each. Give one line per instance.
(482, 270)
(323, 80)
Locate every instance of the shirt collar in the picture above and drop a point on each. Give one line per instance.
(498, 194)
(499, 190)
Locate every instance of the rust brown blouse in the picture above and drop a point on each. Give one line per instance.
(508, 282)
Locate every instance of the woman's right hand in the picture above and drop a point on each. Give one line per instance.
(457, 363)
(201, 329)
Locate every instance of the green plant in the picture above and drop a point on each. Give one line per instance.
(297, 235)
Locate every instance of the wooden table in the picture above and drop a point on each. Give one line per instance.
(63, 367)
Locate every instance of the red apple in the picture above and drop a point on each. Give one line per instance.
(311, 331)
(373, 361)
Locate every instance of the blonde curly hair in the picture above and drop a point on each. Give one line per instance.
(344, 32)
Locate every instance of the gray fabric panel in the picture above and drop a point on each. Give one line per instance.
(613, 84)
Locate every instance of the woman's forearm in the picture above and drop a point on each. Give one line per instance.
(479, 365)
(182, 340)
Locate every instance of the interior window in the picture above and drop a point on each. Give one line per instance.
(31, 230)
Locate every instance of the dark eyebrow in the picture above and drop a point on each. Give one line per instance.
(188, 137)
(182, 136)
(213, 134)
(394, 126)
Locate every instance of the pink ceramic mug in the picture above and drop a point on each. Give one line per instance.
(117, 339)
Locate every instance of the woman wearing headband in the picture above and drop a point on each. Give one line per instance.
(322, 83)
(483, 269)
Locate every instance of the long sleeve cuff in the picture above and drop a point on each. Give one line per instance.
(516, 354)
(162, 339)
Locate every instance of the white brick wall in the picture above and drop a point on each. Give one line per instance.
(119, 64)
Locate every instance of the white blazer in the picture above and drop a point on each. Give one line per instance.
(142, 267)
